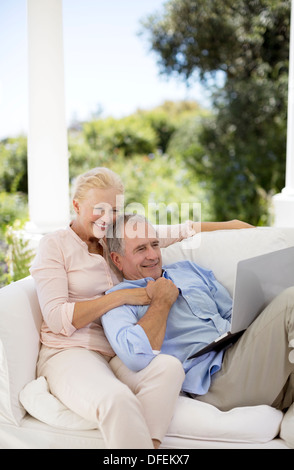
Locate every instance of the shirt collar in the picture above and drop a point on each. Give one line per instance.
(144, 280)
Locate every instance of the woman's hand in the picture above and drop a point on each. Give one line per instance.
(137, 296)
(162, 290)
(87, 311)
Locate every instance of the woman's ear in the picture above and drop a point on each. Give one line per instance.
(116, 259)
(76, 206)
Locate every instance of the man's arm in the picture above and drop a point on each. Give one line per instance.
(127, 338)
(163, 294)
(135, 339)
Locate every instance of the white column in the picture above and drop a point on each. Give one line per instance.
(47, 134)
(284, 202)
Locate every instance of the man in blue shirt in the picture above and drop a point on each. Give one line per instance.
(189, 308)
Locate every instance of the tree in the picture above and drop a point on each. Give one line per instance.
(241, 151)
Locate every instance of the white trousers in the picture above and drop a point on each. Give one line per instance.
(130, 408)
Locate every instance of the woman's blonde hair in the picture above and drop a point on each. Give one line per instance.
(100, 178)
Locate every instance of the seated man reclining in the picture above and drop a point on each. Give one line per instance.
(189, 308)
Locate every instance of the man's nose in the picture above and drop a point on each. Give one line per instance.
(151, 253)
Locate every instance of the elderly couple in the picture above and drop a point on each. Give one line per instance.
(121, 359)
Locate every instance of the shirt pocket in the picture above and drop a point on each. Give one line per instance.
(200, 301)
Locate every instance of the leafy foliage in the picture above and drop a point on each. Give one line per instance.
(12, 206)
(237, 37)
(19, 255)
(13, 214)
(135, 147)
(241, 151)
(13, 165)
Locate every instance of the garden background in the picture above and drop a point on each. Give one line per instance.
(230, 157)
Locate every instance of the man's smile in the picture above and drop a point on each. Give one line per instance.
(150, 266)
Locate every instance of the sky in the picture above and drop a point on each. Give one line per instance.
(107, 65)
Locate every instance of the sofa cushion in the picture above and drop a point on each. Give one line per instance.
(287, 427)
(221, 250)
(42, 405)
(20, 322)
(192, 419)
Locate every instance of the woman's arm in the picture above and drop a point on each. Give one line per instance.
(211, 226)
(169, 234)
(61, 315)
(154, 320)
(89, 310)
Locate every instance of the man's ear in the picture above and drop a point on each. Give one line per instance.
(116, 259)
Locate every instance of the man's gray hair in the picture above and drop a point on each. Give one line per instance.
(115, 232)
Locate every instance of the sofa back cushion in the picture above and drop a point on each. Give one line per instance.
(221, 250)
(20, 323)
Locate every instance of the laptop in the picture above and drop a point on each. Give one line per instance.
(258, 281)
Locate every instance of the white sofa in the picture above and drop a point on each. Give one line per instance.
(32, 418)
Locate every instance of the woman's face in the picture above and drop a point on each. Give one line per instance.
(98, 210)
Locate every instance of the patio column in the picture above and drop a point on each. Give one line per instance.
(47, 133)
(284, 202)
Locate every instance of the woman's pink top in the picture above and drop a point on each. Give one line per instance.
(65, 272)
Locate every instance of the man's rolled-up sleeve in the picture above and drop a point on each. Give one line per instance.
(127, 338)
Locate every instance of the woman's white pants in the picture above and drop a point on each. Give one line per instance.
(130, 408)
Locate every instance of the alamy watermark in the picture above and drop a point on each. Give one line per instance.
(167, 218)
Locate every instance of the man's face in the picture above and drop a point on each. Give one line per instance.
(142, 256)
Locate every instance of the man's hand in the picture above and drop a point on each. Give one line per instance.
(162, 290)
(163, 294)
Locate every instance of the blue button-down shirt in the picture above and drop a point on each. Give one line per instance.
(201, 313)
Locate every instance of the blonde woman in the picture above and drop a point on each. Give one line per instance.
(71, 275)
